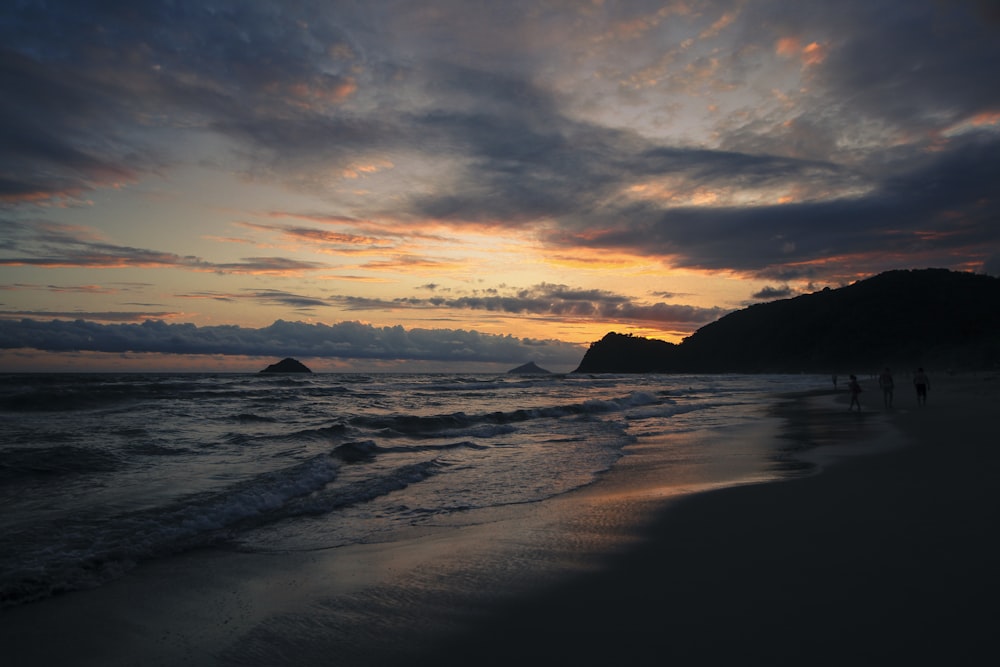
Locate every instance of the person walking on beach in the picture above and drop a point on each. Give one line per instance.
(855, 388)
(922, 383)
(885, 381)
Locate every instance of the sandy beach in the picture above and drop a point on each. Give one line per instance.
(886, 557)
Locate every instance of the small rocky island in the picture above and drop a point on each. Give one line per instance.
(529, 368)
(288, 365)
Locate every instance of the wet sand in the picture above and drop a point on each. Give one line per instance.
(888, 559)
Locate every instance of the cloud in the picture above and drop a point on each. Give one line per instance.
(323, 240)
(113, 288)
(914, 66)
(49, 131)
(557, 301)
(270, 297)
(938, 208)
(91, 78)
(98, 316)
(53, 245)
(850, 159)
(769, 293)
(345, 340)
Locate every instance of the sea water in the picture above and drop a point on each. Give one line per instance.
(100, 473)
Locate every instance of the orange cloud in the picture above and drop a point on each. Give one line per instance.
(595, 260)
(316, 93)
(265, 266)
(809, 55)
(787, 46)
(357, 170)
(724, 22)
(985, 118)
(637, 27)
(411, 229)
(314, 217)
(355, 279)
(73, 289)
(813, 54)
(982, 120)
(41, 196)
(408, 263)
(341, 241)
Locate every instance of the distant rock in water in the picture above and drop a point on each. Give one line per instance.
(529, 368)
(288, 365)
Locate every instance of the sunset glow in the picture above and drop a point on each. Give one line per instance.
(502, 183)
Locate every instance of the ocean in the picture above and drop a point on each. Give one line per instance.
(101, 474)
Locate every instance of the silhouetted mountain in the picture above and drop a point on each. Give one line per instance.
(288, 365)
(904, 319)
(625, 353)
(530, 368)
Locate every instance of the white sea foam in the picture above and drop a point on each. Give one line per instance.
(99, 472)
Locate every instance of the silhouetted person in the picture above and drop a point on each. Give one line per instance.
(922, 383)
(835, 381)
(855, 388)
(885, 381)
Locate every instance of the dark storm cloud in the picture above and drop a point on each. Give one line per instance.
(94, 90)
(912, 63)
(224, 70)
(939, 205)
(346, 340)
(88, 78)
(523, 159)
(528, 161)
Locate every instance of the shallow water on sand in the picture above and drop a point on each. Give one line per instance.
(101, 472)
(263, 521)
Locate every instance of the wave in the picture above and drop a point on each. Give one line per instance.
(494, 423)
(367, 450)
(79, 553)
(19, 462)
(153, 449)
(63, 399)
(499, 383)
(334, 498)
(320, 447)
(409, 449)
(89, 552)
(323, 434)
(250, 418)
(352, 452)
(83, 392)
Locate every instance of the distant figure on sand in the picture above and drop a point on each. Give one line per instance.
(885, 381)
(855, 388)
(835, 381)
(922, 383)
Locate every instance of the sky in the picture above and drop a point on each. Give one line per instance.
(469, 185)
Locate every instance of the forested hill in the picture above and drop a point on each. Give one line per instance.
(902, 319)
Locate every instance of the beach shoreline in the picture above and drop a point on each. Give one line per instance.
(809, 570)
(881, 559)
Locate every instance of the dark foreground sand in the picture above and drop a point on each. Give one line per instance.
(890, 559)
